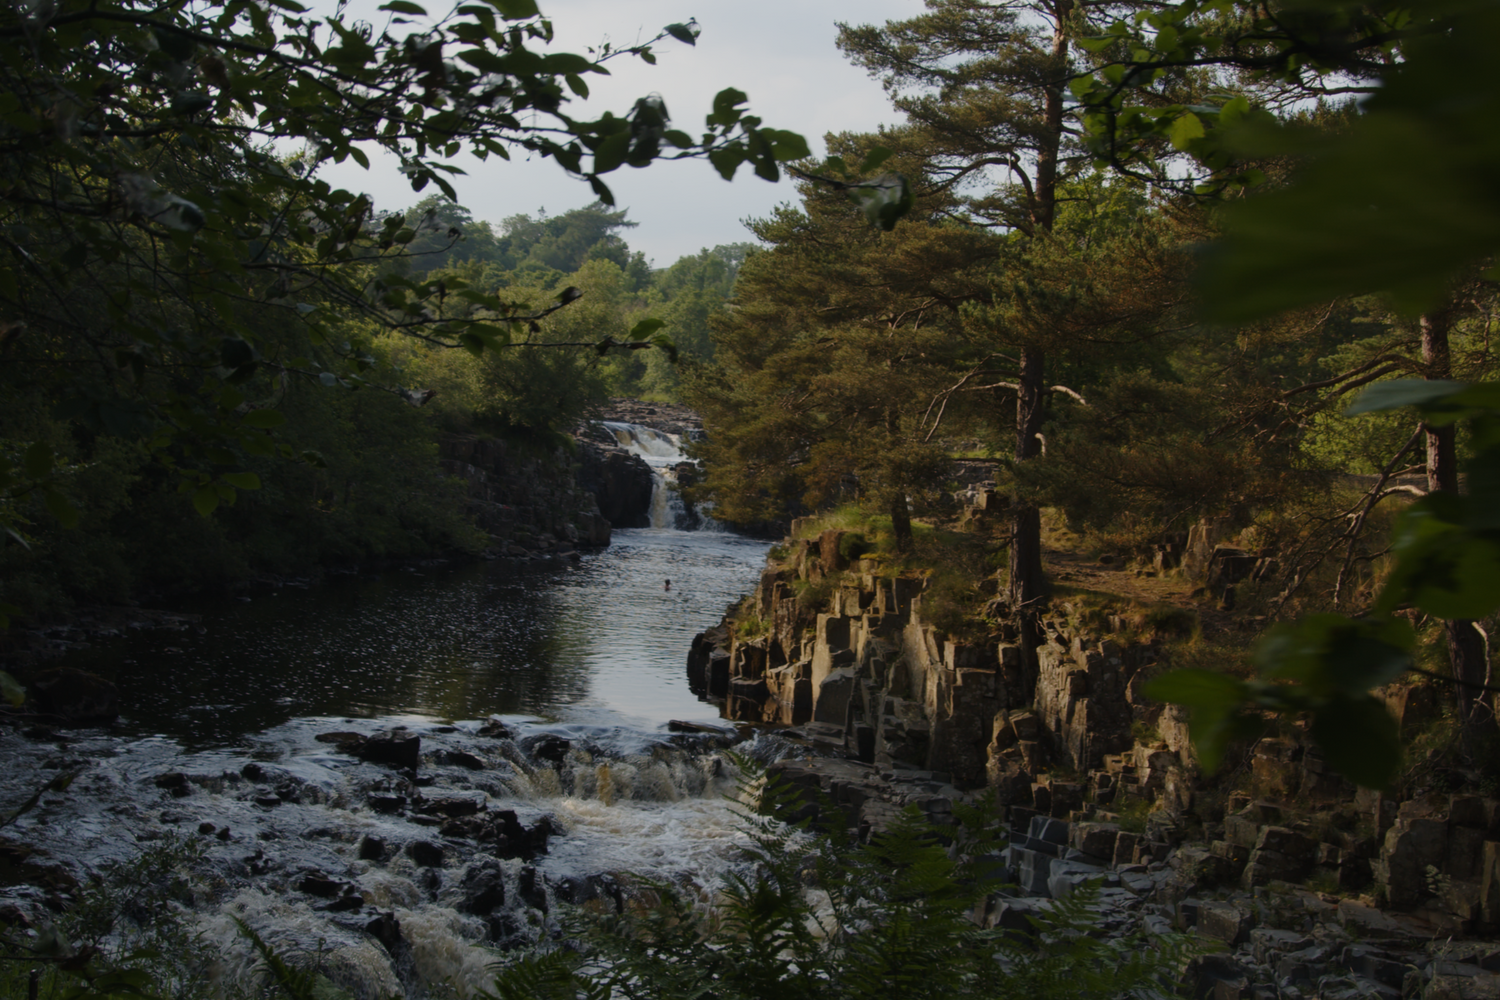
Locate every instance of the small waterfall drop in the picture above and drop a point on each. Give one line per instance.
(662, 451)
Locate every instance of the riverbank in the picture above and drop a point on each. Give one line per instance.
(1300, 881)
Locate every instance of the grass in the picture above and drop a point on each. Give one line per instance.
(956, 566)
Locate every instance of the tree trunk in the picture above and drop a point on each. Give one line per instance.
(1468, 658)
(901, 522)
(1027, 582)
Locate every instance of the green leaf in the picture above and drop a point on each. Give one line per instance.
(1184, 130)
(473, 343)
(205, 500)
(1196, 688)
(403, 7)
(516, 10)
(727, 107)
(263, 419)
(1215, 702)
(611, 152)
(1443, 569)
(242, 480)
(884, 201)
(684, 32)
(665, 343)
(873, 159)
(1359, 739)
(646, 327)
(1401, 392)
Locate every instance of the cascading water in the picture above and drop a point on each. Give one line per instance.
(400, 878)
(662, 451)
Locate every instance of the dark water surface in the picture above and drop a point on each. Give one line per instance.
(599, 644)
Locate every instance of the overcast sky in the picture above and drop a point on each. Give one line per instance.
(779, 52)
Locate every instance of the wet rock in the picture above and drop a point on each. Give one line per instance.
(548, 747)
(532, 888)
(320, 885)
(451, 806)
(386, 929)
(426, 854)
(462, 758)
(495, 730)
(512, 840)
(74, 697)
(578, 889)
(484, 888)
(394, 749)
(373, 849)
(388, 805)
(175, 782)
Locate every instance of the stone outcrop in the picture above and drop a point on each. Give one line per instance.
(619, 482)
(902, 692)
(1096, 778)
(530, 503)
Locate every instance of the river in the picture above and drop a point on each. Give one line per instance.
(602, 643)
(544, 693)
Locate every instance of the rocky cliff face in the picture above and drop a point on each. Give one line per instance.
(546, 503)
(1080, 745)
(900, 692)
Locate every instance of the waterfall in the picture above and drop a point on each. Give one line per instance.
(662, 451)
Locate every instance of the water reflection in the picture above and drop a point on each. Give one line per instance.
(602, 643)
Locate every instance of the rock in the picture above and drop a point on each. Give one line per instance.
(386, 929)
(483, 887)
(620, 482)
(547, 747)
(1225, 922)
(177, 783)
(1065, 876)
(1097, 839)
(320, 885)
(1215, 976)
(74, 697)
(1268, 944)
(394, 748)
(462, 758)
(426, 854)
(1411, 846)
(372, 849)
(494, 729)
(532, 888)
(450, 806)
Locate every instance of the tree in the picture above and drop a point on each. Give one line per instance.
(984, 87)
(160, 228)
(839, 337)
(1397, 204)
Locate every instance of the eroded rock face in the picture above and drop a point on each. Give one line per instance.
(531, 504)
(619, 482)
(901, 692)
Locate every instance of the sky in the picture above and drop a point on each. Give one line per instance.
(779, 52)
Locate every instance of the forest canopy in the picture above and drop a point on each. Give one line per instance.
(191, 316)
